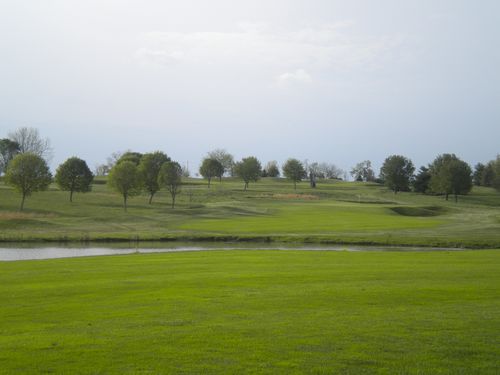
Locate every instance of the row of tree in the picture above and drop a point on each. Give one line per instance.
(23, 159)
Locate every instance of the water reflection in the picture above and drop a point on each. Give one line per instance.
(32, 251)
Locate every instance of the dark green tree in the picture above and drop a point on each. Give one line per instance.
(496, 169)
(272, 169)
(422, 180)
(450, 175)
(248, 169)
(28, 173)
(397, 173)
(149, 167)
(170, 177)
(211, 168)
(294, 170)
(488, 174)
(8, 149)
(226, 160)
(477, 177)
(74, 176)
(125, 178)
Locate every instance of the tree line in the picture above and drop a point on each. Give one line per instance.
(24, 155)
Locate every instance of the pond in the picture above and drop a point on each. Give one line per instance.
(31, 251)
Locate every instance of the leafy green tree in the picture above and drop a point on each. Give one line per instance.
(477, 177)
(226, 160)
(450, 175)
(211, 168)
(74, 176)
(294, 170)
(496, 169)
(422, 181)
(28, 173)
(271, 169)
(134, 157)
(248, 169)
(363, 171)
(397, 173)
(8, 149)
(488, 175)
(149, 167)
(170, 176)
(125, 178)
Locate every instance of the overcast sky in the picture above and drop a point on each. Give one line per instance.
(335, 81)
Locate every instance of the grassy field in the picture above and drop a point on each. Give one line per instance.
(335, 212)
(253, 312)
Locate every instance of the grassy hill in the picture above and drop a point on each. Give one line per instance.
(271, 210)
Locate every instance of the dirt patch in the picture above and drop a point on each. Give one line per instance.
(296, 196)
(23, 216)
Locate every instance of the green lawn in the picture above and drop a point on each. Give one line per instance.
(253, 312)
(335, 212)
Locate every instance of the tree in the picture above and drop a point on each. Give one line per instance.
(134, 157)
(248, 169)
(29, 140)
(330, 171)
(28, 173)
(496, 178)
(125, 178)
(397, 173)
(74, 176)
(450, 175)
(477, 177)
(294, 170)
(149, 167)
(422, 180)
(363, 171)
(271, 169)
(211, 168)
(488, 175)
(170, 176)
(8, 149)
(224, 158)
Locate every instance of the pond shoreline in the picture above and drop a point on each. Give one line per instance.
(39, 251)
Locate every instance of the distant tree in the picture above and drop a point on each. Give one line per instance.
(101, 170)
(477, 177)
(149, 166)
(450, 175)
(294, 170)
(8, 149)
(28, 173)
(488, 174)
(170, 177)
(211, 168)
(422, 181)
(363, 171)
(330, 171)
(397, 173)
(125, 178)
(134, 157)
(225, 159)
(74, 176)
(248, 169)
(271, 169)
(29, 141)
(496, 178)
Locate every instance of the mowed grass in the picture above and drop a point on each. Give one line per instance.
(271, 210)
(274, 312)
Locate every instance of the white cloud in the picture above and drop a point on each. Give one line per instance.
(253, 45)
(298, 76)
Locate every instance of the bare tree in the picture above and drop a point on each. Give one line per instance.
(29, 140)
